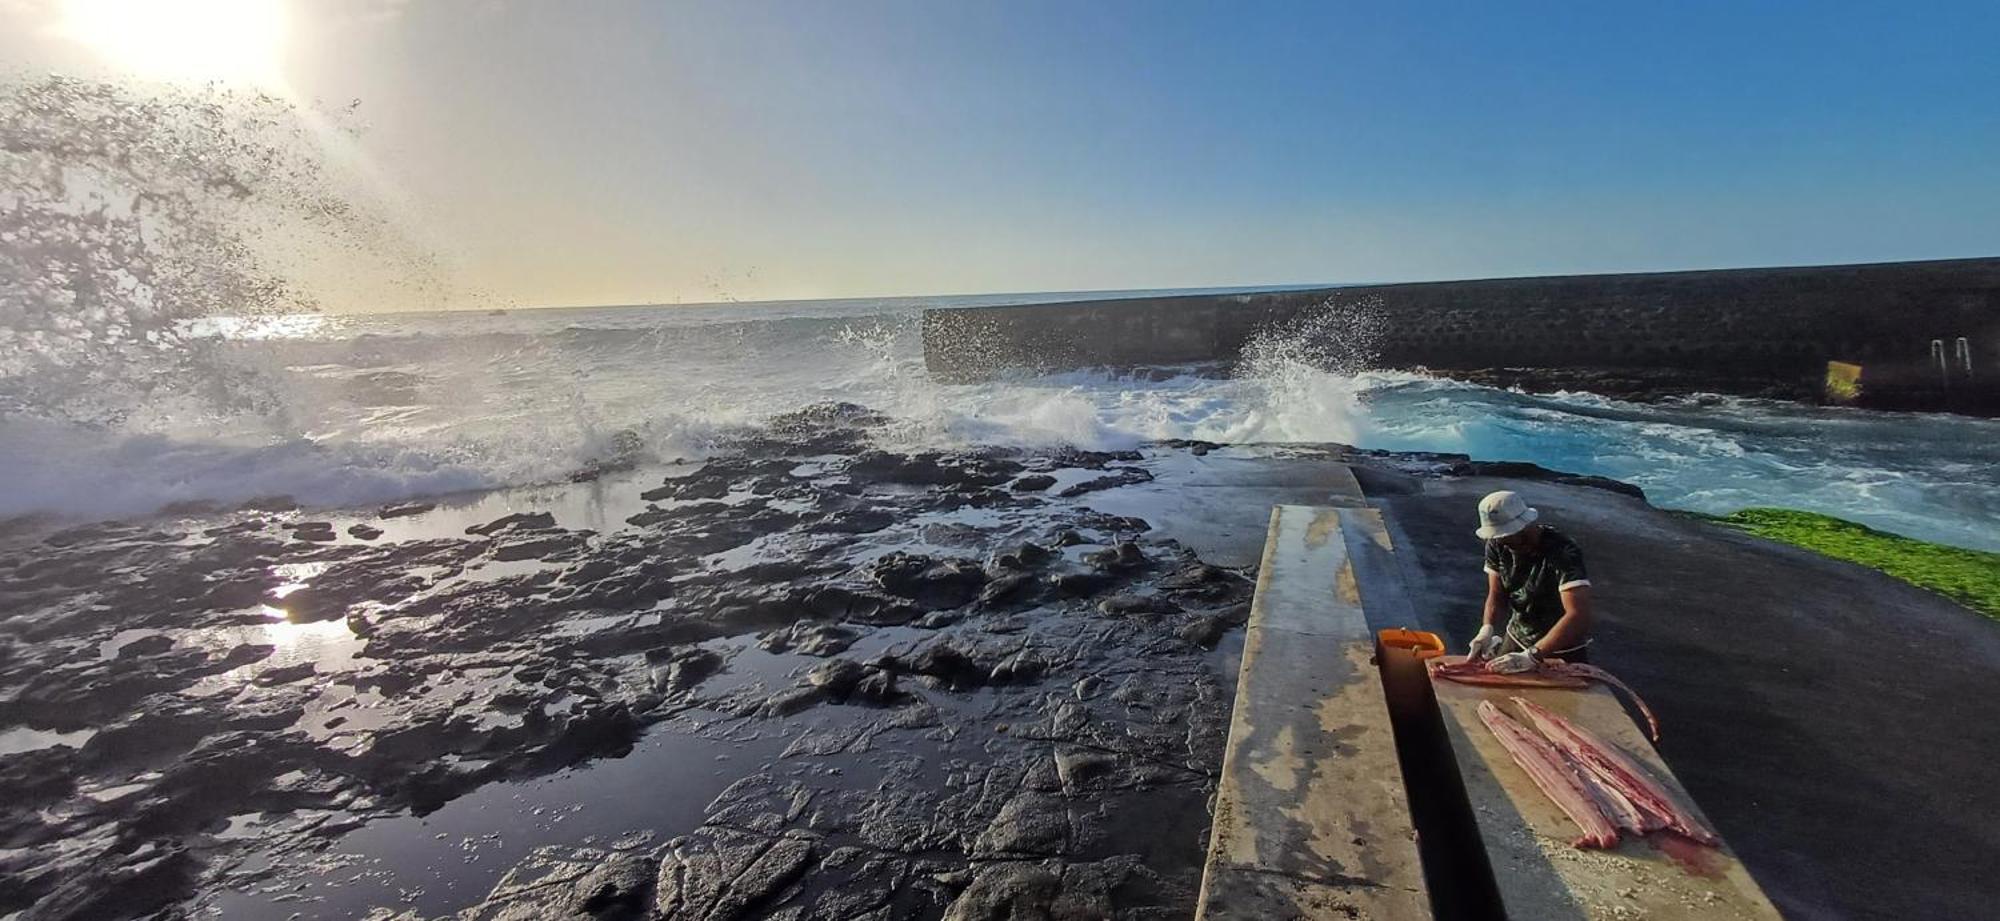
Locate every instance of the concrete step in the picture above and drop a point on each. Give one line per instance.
(1311, 820)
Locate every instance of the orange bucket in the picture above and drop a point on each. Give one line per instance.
(1424, 644)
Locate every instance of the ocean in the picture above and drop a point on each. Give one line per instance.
(355, 410)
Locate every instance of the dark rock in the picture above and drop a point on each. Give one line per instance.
(621, 886)
(127, 885)
(841, 603)
(1126, 555)
(837, 676)
(938, 620)
(519, 521)
(1125, 476)
(930, 583)
(1007, 587)
(1030, 823)
(285, 674)
(695, 486)
(535, 548)
(146, 646)
(364, 532)
(587, 572)
(810, 639)
(1024, 555)
(727, 875)
(1007, 892)
(1035, 482)
(1126, 605)
(932, 469)
(684, 667)
(1204, 630)
(793, 700)
(1070, 537)
(558, 882)
(606, 731)
(315, 531)
(1079, 768)
(949, 665)
(857, 521)
(1021, 667)
(878, 686)
(405, 510)
(1081, 584)
(1194, 575)
(244, 654)
(1192, 446)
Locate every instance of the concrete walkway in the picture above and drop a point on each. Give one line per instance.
(1311, 820)
(1838, 726)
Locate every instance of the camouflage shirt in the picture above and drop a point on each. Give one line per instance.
(1534, 581)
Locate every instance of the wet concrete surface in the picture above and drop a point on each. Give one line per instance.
(1836, 724)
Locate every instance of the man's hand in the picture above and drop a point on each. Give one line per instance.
(1513, 663)
(1484, 644)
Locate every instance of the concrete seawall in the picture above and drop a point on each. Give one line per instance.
(1738, 330)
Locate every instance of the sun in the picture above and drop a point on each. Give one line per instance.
(227, 41)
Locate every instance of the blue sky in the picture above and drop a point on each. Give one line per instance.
(622, 152)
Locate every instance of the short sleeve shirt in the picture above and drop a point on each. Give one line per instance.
(1535, 580)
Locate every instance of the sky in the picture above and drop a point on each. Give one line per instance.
(629, 152)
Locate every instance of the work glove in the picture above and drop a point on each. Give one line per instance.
(1484, 644)
(1513, 663)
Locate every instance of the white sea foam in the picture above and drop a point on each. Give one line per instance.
(387, 407)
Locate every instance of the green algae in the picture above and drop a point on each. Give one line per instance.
(1969, 577)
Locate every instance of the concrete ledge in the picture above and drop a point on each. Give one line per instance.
(1311, 817)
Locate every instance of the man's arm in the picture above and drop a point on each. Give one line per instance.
(1574, 626)
(1496, 599)
(1484, 643)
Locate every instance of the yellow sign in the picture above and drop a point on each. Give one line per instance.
(1843, 382)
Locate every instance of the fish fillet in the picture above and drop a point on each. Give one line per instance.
(1559, 778)
(1548, 673)
(1618, 775)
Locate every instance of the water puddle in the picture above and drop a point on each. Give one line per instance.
(20, 739)
(440, 863)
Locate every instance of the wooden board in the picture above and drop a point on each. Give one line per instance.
(1527, 838)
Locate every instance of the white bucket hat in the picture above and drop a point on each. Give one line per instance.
(1503, 513)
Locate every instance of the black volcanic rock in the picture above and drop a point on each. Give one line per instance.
(519, 521)
(930, 583)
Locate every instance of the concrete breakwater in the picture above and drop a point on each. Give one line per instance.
(1925, 335)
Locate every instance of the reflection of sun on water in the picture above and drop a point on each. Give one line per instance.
(230, 41)
(284, 634)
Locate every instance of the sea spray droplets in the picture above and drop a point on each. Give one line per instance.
(128, 214)
(1336, 335)
(1306, 370)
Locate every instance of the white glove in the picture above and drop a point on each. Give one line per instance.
(1513, 663)
(1484, 643)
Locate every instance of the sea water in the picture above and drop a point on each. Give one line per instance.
(365, 409)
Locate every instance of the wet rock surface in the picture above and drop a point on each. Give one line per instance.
(980, 701)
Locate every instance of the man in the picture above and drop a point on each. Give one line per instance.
(1536, 573)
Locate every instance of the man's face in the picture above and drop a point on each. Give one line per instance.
(1520, 540)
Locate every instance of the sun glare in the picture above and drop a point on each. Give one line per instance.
(229, 41)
